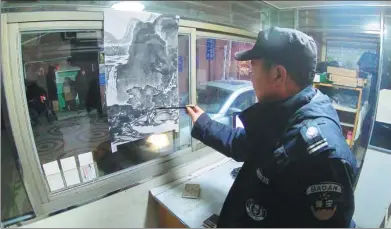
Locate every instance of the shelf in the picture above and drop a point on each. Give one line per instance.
(343, 108)
(347, 124)
(346, 113)
(349, 142)
(338, 86)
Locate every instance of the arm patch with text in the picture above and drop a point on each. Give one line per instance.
(324, 199)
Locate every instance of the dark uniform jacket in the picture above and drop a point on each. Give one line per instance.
(298, 170)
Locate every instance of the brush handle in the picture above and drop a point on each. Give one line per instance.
(168, 108)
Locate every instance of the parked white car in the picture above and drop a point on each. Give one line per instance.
(219, 99)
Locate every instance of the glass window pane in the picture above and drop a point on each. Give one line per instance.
(183, 137)
(286, 19)
(15, 204)
(248, 15)
(244, 101)
(381, 133)
(222, 81)
(341, 19)
(348, 53)
(65, 90)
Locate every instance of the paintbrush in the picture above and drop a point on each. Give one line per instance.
(180, 107)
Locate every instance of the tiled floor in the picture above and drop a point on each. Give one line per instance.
(69, 137)
(84, 133)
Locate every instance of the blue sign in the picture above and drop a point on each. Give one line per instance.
(180, 63)
(102, 79)
(210, 49)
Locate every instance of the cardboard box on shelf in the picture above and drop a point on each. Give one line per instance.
(361, 82)
(66, 89)
(55, 105)
(343, 72)
(68, 96)
(347, 81)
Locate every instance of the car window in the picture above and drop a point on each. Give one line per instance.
(244, 100)
(212, 99)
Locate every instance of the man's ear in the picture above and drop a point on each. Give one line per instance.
(281, 73)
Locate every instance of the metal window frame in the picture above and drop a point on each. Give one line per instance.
(222, 36)
(379, 75)
(380, 78)
(42, 200)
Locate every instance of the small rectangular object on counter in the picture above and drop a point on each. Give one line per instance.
(191, 191)
(342, 72)
(211, 222)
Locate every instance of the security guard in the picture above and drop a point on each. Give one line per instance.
(298, 170)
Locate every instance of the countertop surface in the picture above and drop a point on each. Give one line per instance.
(215, 181)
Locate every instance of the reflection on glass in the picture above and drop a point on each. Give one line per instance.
(216, 60)
(183, 138)
(15, 204)
(348, 54)
(211, 99)
(158, 141)
(223, 83)
(340, 18)
(381, 133)
(66, 102)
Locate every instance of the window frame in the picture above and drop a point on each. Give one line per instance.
(42, 200)
(222, 35)
(385, 22)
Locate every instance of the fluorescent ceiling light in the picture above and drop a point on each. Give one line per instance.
(372, 26)
(128, 6)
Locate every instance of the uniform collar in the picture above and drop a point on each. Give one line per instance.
(274, 115)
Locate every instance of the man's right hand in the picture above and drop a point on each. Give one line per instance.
(194, 112)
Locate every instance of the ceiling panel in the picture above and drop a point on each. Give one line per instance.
(283, 5)
(249, 15)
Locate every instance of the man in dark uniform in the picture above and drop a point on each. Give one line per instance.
(298, 170)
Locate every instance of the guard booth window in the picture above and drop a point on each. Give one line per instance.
(245, 100)
(223, 83)
(65, 92)
(381, 133)
(15, 204)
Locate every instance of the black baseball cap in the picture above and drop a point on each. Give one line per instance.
(293, 49)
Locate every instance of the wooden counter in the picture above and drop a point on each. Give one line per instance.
(215, 181)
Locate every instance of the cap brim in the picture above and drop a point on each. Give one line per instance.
(250, 54)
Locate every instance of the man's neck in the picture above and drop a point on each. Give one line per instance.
(284, 96)
(292, 90)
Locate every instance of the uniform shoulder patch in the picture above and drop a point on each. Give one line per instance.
(324, 198)
(313, 138)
